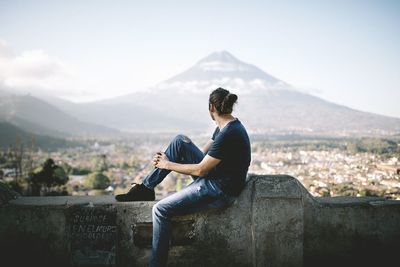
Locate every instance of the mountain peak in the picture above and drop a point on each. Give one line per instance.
(220, 67)
(221, 56)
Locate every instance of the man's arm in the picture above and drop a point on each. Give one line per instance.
(207, 146)
(205, 166)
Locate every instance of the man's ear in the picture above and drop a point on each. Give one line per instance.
(211, 108)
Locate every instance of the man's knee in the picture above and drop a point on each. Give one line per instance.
(182, 138)
(159, 210)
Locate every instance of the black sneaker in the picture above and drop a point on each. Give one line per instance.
(138, 192)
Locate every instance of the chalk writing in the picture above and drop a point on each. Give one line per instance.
(92, 233)
(89, 218)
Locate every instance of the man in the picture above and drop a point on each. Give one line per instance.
(219, 173)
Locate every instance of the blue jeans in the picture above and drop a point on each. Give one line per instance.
(201, 194)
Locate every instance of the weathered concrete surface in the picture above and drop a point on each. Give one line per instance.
(6, 194)
(274, 222)
(353, 232)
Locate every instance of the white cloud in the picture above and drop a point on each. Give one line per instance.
(36, 64)
(235, 85)
(36, 72)
(5, 51)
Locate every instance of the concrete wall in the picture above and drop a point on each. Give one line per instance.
(274, 222)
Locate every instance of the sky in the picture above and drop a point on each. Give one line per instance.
(345, 51)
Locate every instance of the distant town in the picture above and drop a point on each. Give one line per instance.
(327, 167)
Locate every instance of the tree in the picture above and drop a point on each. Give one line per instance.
(32, 149)
(19, 154)
(103, 161)
(99, 163)
(48, 175)
(97, 180)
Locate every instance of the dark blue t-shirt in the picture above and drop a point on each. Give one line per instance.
(232, 146)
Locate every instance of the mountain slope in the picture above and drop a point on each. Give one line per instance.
(35, 115)
(266, 104)
(291, 111)
(9, 134)
(128, 115)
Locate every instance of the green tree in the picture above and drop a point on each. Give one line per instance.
(48, 175)
(99, 163)
(80, 171)
(97, 180)
(67, 168)
(373, 145)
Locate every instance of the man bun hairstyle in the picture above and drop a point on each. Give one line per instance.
(223, 100)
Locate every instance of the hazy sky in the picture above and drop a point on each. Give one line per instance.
(347, 51)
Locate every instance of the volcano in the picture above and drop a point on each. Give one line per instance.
(266, 104)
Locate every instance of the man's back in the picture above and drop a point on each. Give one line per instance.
(232, 146)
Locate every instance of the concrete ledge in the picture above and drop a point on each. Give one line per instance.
(274, 222)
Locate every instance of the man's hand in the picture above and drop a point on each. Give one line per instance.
(160, 160)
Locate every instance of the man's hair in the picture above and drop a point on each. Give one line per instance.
(222, 100)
